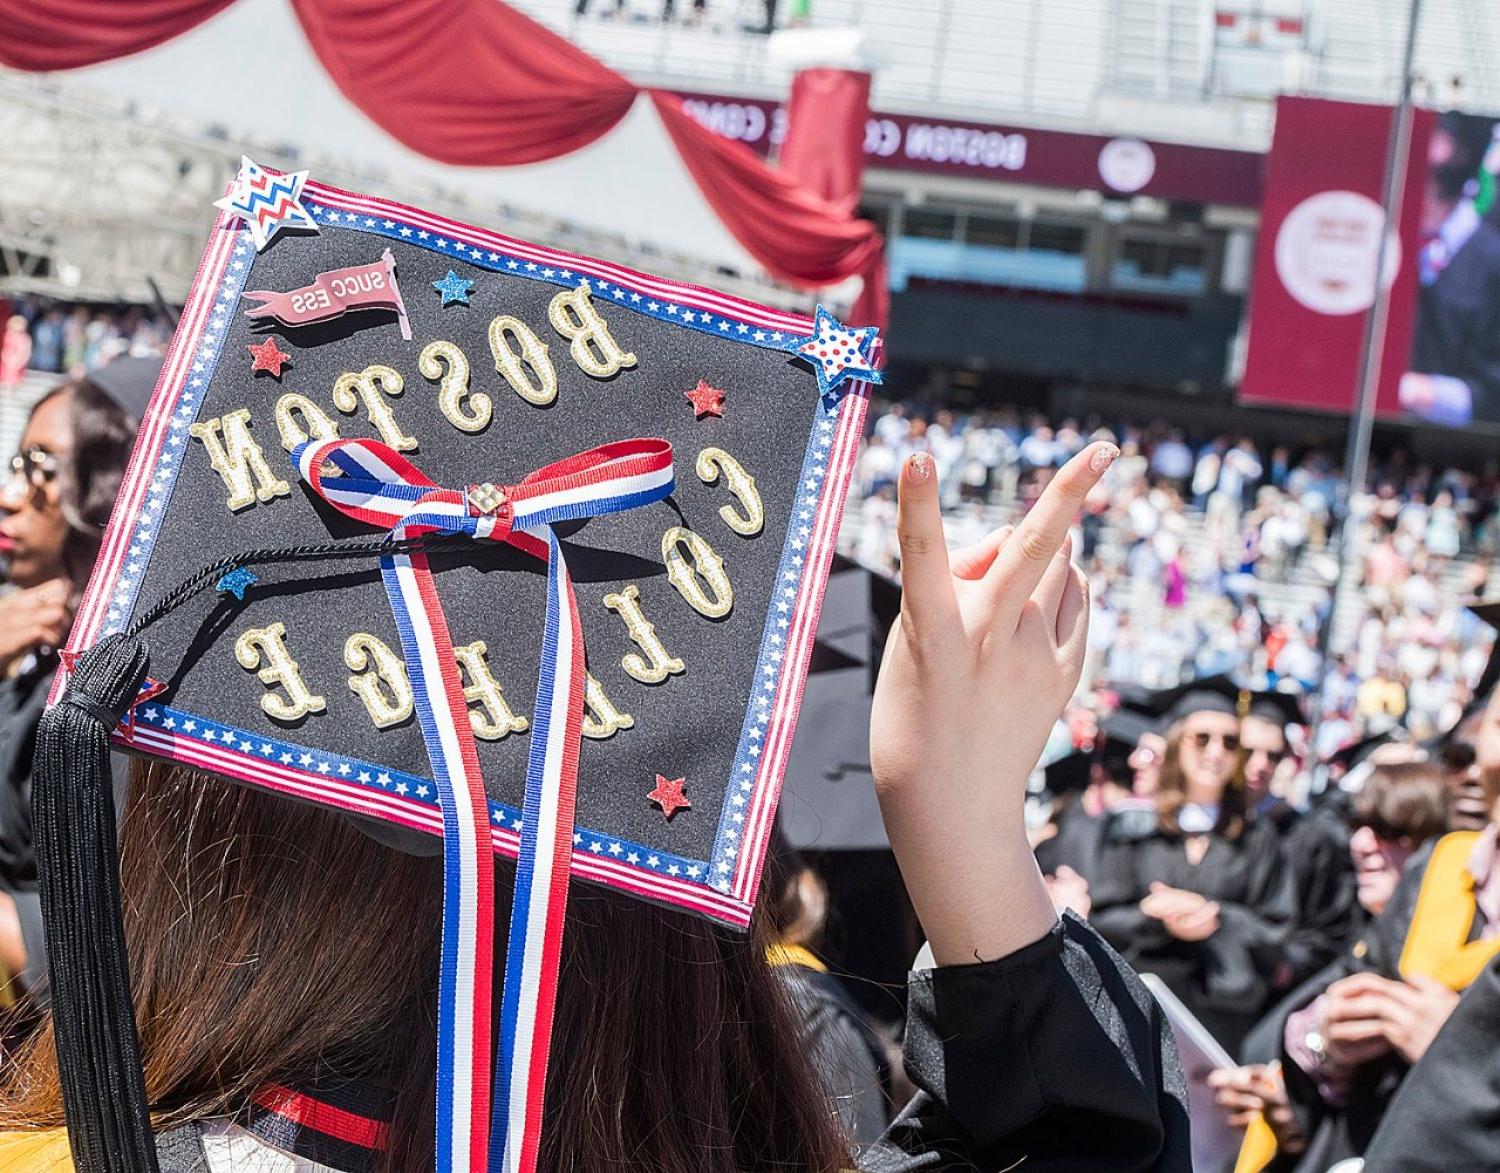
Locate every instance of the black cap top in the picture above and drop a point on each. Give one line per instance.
(256, 561)
(129, 382)
(1218, 694)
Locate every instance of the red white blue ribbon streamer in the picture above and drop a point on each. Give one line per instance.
(379, 486)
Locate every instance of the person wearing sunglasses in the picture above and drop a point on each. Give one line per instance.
(1201, 895)
(57, 494)
(1348, 1037)
(1400, 807)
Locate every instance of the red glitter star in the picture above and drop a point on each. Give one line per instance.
(268, 357)
(669, 796)
(706, 400)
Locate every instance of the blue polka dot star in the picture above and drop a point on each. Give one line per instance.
(838, 352)
(454, 289)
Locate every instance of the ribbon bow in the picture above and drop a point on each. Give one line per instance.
(381, 487)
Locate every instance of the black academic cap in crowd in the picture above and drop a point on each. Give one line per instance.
(828, 800)
(129, 382)
(1220, 694)
(1351, 755)
(1128, 725)
(384, 445)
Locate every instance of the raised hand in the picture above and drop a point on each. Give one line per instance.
(984, 658)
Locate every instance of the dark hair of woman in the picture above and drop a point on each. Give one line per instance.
(91, 472)
(1405, 800)
(1171, 793)
(272, 942)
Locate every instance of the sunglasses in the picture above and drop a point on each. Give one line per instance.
(1230, 741)
(1457, 756)
(37, 465)
(1379, 827)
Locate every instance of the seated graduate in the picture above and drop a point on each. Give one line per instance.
(1198, 892)
(1396, 810)
(258, 976)
(56, 499)
(1348, 1036)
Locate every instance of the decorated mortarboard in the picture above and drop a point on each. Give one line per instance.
(500, 549)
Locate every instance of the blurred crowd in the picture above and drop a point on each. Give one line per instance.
(1212, 554)
(73, 339)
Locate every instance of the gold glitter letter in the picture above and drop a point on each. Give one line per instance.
(238, 459)
(658, 664)
(454, 388)
(280, 669)
(389, 705)
(740, 483)
(600, 718)
(513, 366)
(493, 719)
(350, 390)
(684, 575)
(573, 315)
(318, 425)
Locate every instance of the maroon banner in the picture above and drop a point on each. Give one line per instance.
(1116, 166)
(1315, 258)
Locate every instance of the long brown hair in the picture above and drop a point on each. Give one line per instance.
(272, 942)
(1171, 792)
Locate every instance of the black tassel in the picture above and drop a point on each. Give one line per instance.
(78, 870)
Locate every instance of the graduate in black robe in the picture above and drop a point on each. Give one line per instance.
(1445, 1114)
(1199, 894)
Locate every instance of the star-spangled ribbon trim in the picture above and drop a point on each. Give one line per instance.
(380, 487)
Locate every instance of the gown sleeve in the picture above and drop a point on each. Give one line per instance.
(1116, 892)
(1252, 933)
(1055, 1056)
(1443, 1117)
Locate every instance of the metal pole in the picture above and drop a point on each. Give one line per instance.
(1372, 347)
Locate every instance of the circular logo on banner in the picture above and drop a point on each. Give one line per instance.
(1127, 164)
(1326, 250)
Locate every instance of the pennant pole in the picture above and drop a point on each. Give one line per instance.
(390, 275)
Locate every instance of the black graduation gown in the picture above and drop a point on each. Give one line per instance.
(1446, 1114)
(1055, 1059)
(1225, 980)
(1077, 843)
(1338, 1132)
(846, 1053)
(22, 699)
(1329, 918)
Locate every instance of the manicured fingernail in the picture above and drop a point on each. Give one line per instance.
(920, 468)
(1103, 457)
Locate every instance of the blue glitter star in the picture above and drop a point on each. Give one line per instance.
(236, 583)
(454, 289)
(838, 352)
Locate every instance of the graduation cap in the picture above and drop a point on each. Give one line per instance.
(1220, 694)
(497, 549)
(829, 802)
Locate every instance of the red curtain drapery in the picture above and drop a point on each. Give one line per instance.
(477, 83)
(468, 82)
(38, 35)
(824, 148)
